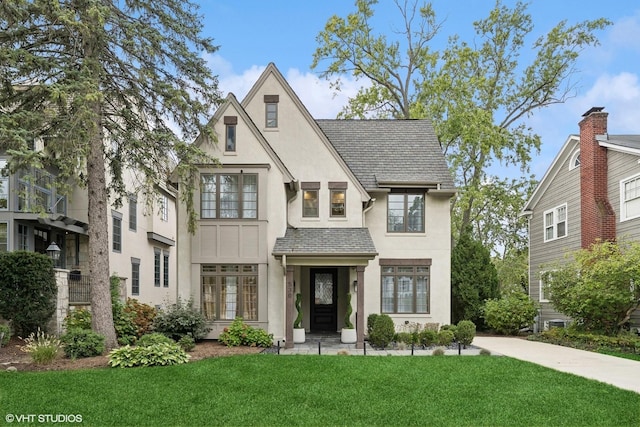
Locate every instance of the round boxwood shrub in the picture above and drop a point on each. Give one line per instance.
(465, 332)
(445, 337)
(28, 290)
(428, 337)
(79, 318)
(383, 331)
(180, 319)
(371, 320)
(82, 343)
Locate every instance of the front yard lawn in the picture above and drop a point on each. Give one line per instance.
(271, 390)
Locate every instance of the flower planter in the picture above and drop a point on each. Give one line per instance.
(298, 336)
(348, 336)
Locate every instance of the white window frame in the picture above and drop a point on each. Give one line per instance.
(624, 201)
(575, 158)
(555, 222)
(541, 294)
(164, 208)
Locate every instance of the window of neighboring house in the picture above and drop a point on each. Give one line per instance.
(555, 223)
(164, 208)
(23, 237)
(156, 267)
(229, 291)
(229, 196)
(133, 213)
(630, 198)
(135, 276)
(165, 275)
(116, 217)
(405, 213)
(544, 293)
(405, 285)
(271, 110)
(4, 187)
(574, 162)
(338, 197)
(4, 237)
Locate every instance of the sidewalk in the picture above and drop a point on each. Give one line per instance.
(622, 373)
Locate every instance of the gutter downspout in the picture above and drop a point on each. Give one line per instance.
(292, 189)
(367, 207)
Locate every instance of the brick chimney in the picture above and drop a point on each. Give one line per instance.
(598, 218)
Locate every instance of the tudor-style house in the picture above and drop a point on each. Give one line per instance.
(590, 192)
(323, 208)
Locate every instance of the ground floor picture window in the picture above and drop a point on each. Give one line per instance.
(405, 286)
(230, 291)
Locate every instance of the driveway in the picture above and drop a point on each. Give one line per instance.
(622, 373)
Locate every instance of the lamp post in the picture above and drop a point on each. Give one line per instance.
(54, 253)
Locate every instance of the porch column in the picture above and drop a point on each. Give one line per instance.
(360, 308)
(288, 317)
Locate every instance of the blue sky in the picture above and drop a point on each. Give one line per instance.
(252, 33)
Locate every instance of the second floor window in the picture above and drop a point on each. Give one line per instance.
(405, 213)
(117, 232)
(630, 198)
(229, 196)
(555, 223)
(4, 187)
(164, 208)
(230, 144)
(133, 213)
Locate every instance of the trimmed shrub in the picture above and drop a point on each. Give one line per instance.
(180, 319)
(42, 348)
(383, 331)
(465, 332)
(428, 337)
(161, 354)
(510, 314)
(82, 343)
(5, 331)
(28, 290)
(153, 338)
(438, 352)
(404, 337)
(371, 320)
(239, 333)
(445, 337)
(187, 343)
(79, 318)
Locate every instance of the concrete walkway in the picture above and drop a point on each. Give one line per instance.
(622, 373)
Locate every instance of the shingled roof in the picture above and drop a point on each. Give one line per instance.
(325, 241)
(390, 151)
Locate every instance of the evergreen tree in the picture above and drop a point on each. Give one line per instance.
(110, 86)
(473, 280)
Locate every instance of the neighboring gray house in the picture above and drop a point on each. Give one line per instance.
(317, 207)
(590, 192)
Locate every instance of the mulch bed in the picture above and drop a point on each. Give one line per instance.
(11, 355)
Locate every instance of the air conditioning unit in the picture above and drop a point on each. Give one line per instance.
(554, 323)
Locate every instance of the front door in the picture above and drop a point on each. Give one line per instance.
(324, 284)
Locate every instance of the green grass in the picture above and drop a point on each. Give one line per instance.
(267, 390)
(630, 356)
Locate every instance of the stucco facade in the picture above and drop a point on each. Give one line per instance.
(287, 211)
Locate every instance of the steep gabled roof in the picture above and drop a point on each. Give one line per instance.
(561, 158)
(386, 153)
(273, 70)
(231, 101)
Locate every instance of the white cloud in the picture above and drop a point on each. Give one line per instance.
(620, 95)
(625, 33)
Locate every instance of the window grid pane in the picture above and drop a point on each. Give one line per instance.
(229, 291)
(338, 203)
(166, 271)
(405, 290)
(310, 206)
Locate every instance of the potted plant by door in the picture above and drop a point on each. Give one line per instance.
(348, 335)
(298, 330)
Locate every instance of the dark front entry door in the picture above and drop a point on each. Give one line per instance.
(324, 284)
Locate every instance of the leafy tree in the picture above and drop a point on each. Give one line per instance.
(509, 314)
(598, 287)
(513, 271)
(28, 291)
(476, 94)
(473, 280)
(100, 81)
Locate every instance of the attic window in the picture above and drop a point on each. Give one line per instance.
(271, 110)
(574, 162)
(230, 123)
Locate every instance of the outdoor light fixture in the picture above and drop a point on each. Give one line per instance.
(355, 286)
(54, 252)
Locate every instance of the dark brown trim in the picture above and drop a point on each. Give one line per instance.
(271, 99)
(337, 185)
(420, 262)
(230, 120)
(310, 185)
